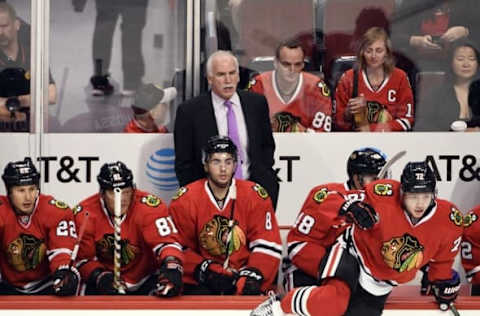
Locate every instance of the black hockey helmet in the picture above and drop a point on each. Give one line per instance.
(367, 160)
(418, 177)
(115, 175)
(219, 144)
(20, 173)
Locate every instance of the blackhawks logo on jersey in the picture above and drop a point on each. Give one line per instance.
(151, 200)
(214, 236)
(261, 191)
(469, 219)
(383, 189)
(324, 89)
(403, 253)
(181, 191)
(320, 195)
(26, 252)
(104, 249)
(456, 217)
(59, 204)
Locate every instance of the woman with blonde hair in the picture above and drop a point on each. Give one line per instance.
(375, 95)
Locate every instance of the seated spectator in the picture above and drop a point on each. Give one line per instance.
(15, 73)
(424, 30)
(150, 109)
(298, 101)
(38, 237)
(451, 101)
(471, 249)
(151, 258)
(228, 228)
(375, 95)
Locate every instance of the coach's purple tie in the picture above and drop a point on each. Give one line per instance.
(234, 136)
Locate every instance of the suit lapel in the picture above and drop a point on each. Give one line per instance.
(210, 120)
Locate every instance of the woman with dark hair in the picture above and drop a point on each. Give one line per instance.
(458, 98)
(375, 95)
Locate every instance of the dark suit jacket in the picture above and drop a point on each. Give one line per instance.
(195, 123)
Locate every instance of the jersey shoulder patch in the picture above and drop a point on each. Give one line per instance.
(456, 217)
(469, 219)
(77, 209)
(260, 191)
(323, 89)
(383, 189)
(59, 204)
(181, 191)
(251, 83)
(151, 200)
(320, 195)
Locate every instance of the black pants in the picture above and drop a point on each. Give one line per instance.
(133, 13)
(363, 303)
(146, 289)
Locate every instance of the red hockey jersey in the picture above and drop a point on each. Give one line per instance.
(148, 236)
(310, 103)
(471, 245)
(394, 95)
(315, 229)
(395, 248)
(204, 228)
(133, 127)
(34, 246)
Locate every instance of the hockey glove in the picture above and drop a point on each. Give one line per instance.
(102, 281)
(66, 280)
(249, 282)
(359, 213)
(215, 277)
(446, 291)
(169, 282)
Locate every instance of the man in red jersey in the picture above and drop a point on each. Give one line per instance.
(151, 257)
(228, 228)
(37, 237)
(298, 101)
(151, 109)
(312, 234)
(471, 248)
(389, 241)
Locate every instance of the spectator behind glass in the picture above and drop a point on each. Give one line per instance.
(15, 73)
(424, 30)
(384, 99)
(453, 100)
(150, 109)
(298, 101)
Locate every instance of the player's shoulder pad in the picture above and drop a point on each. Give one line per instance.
(260, 191)
(181, 191)
(58, 204)
(469, 219)
(151, 200)
(324, 89)
(320, 194)
(456, 216)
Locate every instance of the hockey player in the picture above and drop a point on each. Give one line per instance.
(390, 239)
(298, 101)
(151, 257)
(228, 228)
(471, 248)
(37, 237)
(314, 231)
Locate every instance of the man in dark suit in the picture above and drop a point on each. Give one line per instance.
(208, 114)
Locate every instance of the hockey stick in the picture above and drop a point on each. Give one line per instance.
(79, 239)
(117, 239)
(233, 196)
(381, 174)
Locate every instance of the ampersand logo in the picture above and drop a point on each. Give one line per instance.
(66, 172)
